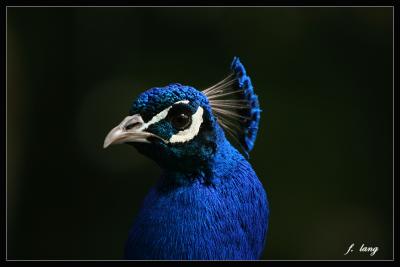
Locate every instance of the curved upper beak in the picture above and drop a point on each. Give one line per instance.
(131, 129)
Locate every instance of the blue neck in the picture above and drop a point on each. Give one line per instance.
(225, 156)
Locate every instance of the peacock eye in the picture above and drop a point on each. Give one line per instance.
(181, 121)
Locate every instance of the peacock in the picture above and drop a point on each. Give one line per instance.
(208, 203)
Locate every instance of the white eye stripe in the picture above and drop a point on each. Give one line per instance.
(189, 133)
(160, 116)
(182, 101)
(184, 135)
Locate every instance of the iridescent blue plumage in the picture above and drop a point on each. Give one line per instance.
(209, 202)
(244, 81)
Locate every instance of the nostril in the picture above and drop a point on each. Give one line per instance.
(130, 126)
(152, 139)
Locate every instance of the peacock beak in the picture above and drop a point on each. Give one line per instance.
(131, 129)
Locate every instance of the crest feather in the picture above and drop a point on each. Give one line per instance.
(236, 106)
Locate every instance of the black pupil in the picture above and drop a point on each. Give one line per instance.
(181, 121)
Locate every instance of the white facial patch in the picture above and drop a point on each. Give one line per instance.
(192, 131)
(160, 116)
(184, 135)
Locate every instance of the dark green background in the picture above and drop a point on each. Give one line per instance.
(324, 150)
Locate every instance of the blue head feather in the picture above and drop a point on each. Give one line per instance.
(155, 99)
(188, 157)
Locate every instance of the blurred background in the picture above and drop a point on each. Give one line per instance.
(324, 150)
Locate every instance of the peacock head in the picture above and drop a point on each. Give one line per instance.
(182, 128)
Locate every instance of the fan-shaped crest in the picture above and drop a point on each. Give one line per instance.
(236, 106)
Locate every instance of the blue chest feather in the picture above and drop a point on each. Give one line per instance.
(223, 216)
